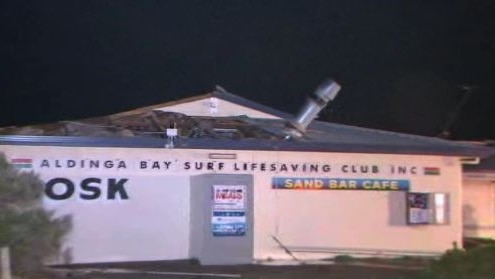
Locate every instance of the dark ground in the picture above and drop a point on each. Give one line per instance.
(334, 271)
(343, 267)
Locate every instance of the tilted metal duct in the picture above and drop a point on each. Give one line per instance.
(326, 92)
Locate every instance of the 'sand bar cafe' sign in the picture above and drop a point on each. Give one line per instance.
(294, 183)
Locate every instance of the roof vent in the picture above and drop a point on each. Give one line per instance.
(326, 92)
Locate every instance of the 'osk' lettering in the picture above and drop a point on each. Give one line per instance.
(91, 188)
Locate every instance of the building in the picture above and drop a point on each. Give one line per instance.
(226, 180)
(479, 198)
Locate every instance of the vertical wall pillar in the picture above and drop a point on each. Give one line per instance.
(5, 263)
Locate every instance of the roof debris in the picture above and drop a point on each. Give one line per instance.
(149, 124)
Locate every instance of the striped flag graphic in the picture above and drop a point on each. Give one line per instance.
(431, 171)
(22, 163)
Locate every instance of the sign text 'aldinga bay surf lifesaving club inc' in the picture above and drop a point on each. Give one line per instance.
(289, 176)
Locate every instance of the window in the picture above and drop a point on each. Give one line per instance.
(427, 208)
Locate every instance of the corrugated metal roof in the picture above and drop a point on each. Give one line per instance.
(252, 144)
(146, 128)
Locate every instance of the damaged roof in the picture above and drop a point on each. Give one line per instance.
(260, 128)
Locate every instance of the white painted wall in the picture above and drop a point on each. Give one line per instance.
(328, 219)
(479, 208)
(215, 107)
(154, 223)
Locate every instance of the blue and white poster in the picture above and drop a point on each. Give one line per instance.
(229, 223)
(229, 210)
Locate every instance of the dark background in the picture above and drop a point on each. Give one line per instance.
(403, 65)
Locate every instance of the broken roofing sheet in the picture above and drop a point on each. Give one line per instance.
(150, 124)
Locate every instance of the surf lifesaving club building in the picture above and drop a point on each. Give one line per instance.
(223, 179)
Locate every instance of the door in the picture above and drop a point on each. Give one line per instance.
(222, 218)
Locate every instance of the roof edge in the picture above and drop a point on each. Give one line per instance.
(248, 144)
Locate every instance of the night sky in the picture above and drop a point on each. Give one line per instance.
(403, 65)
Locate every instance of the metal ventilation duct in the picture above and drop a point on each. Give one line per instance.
(326, 92)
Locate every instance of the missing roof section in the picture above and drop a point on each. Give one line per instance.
(152, 124)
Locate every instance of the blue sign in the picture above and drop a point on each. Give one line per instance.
(228, 223)
(369, 184)
(229, 213)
